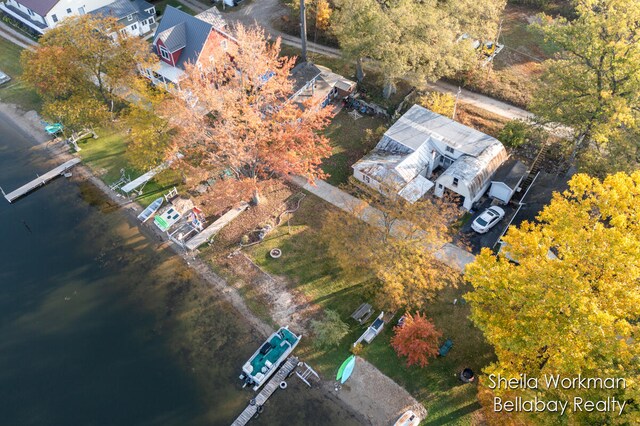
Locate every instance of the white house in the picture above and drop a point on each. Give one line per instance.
(41, 15)
(424, 150)
(136, 16)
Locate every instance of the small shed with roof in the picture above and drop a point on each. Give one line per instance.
(507, 179)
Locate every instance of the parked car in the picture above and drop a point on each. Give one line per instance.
(487, 219)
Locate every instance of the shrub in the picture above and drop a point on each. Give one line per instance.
(440, 103)
(515, 133)
(329, 331)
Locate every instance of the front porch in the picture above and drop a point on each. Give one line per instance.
(20, 16)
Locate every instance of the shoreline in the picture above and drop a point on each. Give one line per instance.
(369, 404)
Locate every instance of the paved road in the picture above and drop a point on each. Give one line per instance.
(265, 12)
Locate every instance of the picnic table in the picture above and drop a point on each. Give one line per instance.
(363, 313)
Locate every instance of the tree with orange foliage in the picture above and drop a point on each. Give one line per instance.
(416, 339)
(236, 116)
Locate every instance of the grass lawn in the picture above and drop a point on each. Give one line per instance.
(349, 144)
(15, 92)
(161, 5)
(106, 157)
(305, 262)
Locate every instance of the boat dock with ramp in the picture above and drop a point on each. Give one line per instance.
(40, 180)
(255, 404)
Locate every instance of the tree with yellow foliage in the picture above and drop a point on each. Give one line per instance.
(398, 250)
(566, 299)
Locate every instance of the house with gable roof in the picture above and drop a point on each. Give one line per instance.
(425, 150)
(42, 15)
(137, 17)
(182, 39)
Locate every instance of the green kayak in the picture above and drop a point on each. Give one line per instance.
(343, 366)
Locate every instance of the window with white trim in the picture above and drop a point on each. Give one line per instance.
(165, 53)
(54, 18)
(130, 18)
(69, 11)
(449, 149)
(134, 27)
(31, 12)
(455, 182)
(366, 178)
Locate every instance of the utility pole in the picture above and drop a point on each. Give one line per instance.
(303, 30)
(455, 105)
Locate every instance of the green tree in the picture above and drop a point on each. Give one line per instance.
(329, 331)
(80, 65)
(573, 312)
(514, 133)
(411, 38)
(593, 86)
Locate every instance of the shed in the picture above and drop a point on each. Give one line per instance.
(507, 179)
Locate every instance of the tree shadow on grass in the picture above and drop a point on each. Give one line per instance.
(454, 415)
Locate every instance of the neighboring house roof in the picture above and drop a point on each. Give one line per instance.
(213, 17)
(418, 124)
(41, 7)
(196, 33)
(174, 38)
(303, 73)
(510, 173)
(121, 9)
(476, 171)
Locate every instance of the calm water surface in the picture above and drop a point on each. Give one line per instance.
(98, 326)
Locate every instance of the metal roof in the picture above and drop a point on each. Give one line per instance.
(418, 124)
(510, 173)
(476, 171)
(120, 9)
(41, 7)
(174, 38)
(196, 33)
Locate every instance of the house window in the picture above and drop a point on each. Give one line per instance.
(123, 31)
(366, 178)
(54, 18)
(455, 182)
(449, 149)
(151, 20)
(69, 11)
(439, 186)
(144, 22)
(134, 27)
(130, 18)
(81, 11)
(30, 12)
(164, 53)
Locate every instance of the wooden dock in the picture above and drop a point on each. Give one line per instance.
(266, 392)
(40, 180)
(215, 227)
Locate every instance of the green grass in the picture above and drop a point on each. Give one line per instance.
(106, 157)
(15, 91)
(162, 5)
(348, 144)
(305, 262)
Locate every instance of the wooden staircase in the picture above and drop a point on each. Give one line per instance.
(533, 173)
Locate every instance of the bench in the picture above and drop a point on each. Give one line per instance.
(363, 313)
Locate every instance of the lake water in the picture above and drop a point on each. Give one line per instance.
(100, 325)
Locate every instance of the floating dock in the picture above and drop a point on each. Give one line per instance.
(266, 392)
(40, 180)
